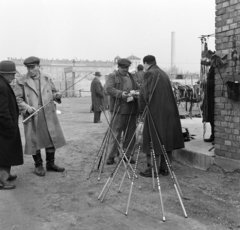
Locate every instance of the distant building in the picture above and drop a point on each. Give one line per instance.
(55, 67)
(135, 62)
(65, 72)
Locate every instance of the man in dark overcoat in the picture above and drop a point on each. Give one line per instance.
(208, 102)
(165, 115)
(97, 97)
(123, 108)
(11, 153)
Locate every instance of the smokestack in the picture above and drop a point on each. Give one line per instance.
(173, 53)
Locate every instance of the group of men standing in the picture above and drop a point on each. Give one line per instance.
(126, 106)
(33, 96)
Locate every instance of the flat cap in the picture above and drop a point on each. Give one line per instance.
(31, 61)
(149, 59)
(124, 62)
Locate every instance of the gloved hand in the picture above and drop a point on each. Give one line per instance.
(31, 109)
(124, 95)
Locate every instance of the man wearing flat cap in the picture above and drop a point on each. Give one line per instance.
(165, 116)
(97, 97)
(11, 153)
(123, 108)
(42, 130)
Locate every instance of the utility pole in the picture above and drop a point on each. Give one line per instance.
(73, 77)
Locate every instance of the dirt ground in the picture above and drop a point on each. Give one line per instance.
(68, 201)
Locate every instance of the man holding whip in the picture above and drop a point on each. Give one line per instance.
(42, 130)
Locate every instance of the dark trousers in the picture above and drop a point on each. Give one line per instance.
(122, 125)
(162, 164)
(4, 173)
(97, 116)
(212, 129)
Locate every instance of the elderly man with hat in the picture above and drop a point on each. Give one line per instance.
(123, 108)
(97, 97)
(11, 153)
(165, 116)
(42, 130)
(138, 76)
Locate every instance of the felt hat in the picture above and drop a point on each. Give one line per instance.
(7, 67)
(98, 74)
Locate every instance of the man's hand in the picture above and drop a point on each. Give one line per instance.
(31, 109)
(124, 95)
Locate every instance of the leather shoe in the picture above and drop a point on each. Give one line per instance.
(98, 122)
(12, 177)
(7, 186)
(148, 173)
(55, 168)
(110, 161)
(164, 172)
(209, 140)
(39, 170)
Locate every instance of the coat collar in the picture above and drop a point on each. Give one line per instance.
(10, 87)
(31, 84)
(4, 79)
(152, 67)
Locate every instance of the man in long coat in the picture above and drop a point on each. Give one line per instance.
(11, 153)
(208, 102)
(165, 116)
(42, 130)
(97, 97)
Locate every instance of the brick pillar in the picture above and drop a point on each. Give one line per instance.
(227, 111)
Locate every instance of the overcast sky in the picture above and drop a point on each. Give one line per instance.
(103, 29)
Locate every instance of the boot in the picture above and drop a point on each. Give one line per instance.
(50, 157)
(39, 170)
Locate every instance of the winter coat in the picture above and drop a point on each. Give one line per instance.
(11, 152)
(97, 94)
(27, 95)
(208, 101)
(114, 88)
(164, 112)
(138, 76)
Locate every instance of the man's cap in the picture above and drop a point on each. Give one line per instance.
(149, 59)
(140, 67)
(124, 62)
(7, 67)
(31, 61)
(98, 74)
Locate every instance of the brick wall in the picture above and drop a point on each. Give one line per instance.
(227, 111)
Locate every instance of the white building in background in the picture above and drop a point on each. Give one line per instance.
(135, 62)
(65, 72)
